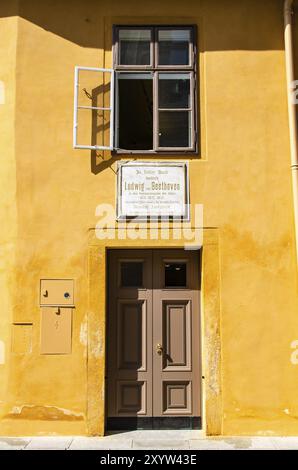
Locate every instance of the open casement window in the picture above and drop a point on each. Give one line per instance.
(155, 75)
(152, 87)
(93, 126)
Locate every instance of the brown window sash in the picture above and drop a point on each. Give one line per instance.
(155, 68)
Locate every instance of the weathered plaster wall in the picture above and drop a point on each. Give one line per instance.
(50, 193)
(8, 211)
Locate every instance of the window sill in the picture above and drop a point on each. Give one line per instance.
(154, 153)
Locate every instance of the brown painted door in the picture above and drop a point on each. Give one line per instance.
(153, 368)
(176, 350)
(130, 334)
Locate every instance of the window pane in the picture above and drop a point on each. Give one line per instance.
(175, 275)
(174, 129)
(134, 46)
(132, 274)
(174, 90)
(135, 111)
(173, 47)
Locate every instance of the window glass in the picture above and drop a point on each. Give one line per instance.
(135, 111)
(131, 274)
(174, 129)
(174, 90)
(154, 108)
(173, 47)
(175, 275)
(134, 46)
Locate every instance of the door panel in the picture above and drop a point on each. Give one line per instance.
(130, 333)
(153, 336)
(176, 335)
(131, 397)
(177, 397)
(176, 327)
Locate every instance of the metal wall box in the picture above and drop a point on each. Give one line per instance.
(57, 292)
(55, 330)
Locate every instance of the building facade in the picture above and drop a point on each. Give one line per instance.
(109, 111)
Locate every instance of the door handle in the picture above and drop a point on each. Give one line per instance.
(159, 348)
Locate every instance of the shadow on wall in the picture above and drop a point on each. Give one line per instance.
(223, 25)
(99, 126)
(227, 24)
(77, 21)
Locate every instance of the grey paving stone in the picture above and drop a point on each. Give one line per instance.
(209, 444)
(95, 443)
(13, 443)
(260, 443)
(158, 444)
(148, 440)
(233, 443)
(285, 443)
(49, 443)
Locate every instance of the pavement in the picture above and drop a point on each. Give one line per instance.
(149, 440)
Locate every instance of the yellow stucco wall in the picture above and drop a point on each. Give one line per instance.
(49, 193)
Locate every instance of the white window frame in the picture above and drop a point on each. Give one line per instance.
(77, 145)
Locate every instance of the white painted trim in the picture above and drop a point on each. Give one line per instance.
(76, 145)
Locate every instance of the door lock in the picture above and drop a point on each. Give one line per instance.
(159, 348)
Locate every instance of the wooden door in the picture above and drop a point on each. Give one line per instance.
(130, 336)
(176, 335)
(153, 367)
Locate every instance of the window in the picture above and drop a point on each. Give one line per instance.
(155, 86)
(131, 274)
(146, 102)
(175, 274)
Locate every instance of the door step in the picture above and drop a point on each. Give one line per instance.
(175, 422)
